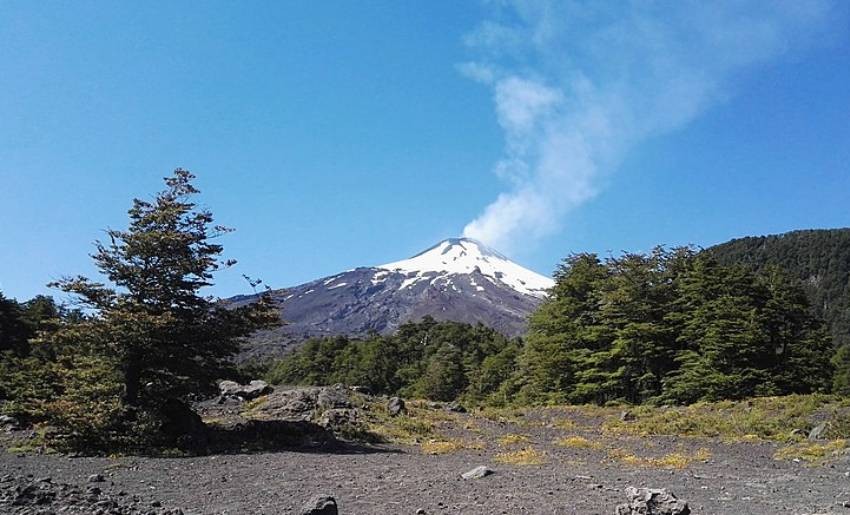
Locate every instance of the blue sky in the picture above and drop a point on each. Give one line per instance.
(345, 134)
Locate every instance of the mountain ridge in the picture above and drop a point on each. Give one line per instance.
(457, 279)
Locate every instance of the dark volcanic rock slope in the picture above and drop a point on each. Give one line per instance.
(458, 279)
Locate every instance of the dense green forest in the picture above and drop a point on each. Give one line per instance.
(668, 326)
(435, 360)
(819, 259)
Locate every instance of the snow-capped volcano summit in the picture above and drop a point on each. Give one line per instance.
(458, 279)
(465, 256)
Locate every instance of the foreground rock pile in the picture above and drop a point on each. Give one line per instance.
(652, 501)
(25, 495)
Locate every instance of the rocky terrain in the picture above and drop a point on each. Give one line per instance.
(380, 456)
(458, 279)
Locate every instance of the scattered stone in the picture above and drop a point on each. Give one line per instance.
(24, 495)
(420, 511)
(395, 406)
(96, 478)
(627, 416)
(477, 473)
(819, 431)
(320, 505)
(651, 501)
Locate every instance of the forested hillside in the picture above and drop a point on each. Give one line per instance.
(820, 259)
(668, 326)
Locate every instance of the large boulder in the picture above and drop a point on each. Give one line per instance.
(334, 397)
(320, 505)
(651, 501)
(252, 390)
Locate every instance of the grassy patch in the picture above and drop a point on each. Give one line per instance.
(402, 429)
(577, 442)
(526, 456)
(512, 439)
(512, 415)
(448, 446)
(673, 460)
(813, 452)
(564, 423)
(765, 418)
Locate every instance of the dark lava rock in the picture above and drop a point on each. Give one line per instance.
(395, 406)
(96, 478)
(320, 505)
(651, 501)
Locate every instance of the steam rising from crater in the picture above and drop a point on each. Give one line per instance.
(577, 84)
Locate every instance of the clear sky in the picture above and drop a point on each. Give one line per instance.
(339, 134)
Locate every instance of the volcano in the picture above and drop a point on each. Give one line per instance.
(458, 279)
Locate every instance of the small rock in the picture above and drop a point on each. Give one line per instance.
(320, 505)
(818, 432)
(477, 473)
(9, 421)
(96, 478)
(656, 501)
(420, 511)
(455, 407)
(395, 406)
(627, 416)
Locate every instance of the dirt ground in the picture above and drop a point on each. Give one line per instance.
(586, 474)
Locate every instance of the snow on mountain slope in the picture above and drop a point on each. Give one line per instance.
(465, 255)
(458, 279)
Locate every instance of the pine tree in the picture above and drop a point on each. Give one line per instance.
(163, 339)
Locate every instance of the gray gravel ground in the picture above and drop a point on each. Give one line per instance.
(739, 478)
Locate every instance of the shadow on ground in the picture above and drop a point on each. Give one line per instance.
(258, 436)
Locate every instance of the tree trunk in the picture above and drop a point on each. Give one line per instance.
(132, 376)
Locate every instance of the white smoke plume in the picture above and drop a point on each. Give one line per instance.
(576, 84)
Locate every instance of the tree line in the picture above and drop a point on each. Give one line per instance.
(668, 326)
